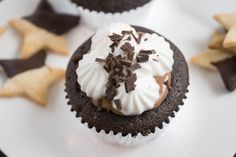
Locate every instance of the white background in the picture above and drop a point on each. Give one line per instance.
(205, 126)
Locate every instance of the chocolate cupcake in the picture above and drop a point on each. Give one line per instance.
(97, 13)
(125, 82)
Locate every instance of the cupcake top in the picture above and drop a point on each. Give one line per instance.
(125, 71)
(110, 6)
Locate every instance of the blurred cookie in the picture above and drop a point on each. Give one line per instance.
(205, 58)
(33, 84)
(227, 20)
(47, 18)
(36, 39)
(221, 54)
(217, 41)
(2, 29)
(230, 39)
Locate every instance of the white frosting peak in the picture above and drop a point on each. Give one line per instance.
(92, 77)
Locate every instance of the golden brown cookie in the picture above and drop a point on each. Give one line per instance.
(217, 40)
(227, 20)
(36, 39)
(33, 84)
(206, 58)
(230, 39)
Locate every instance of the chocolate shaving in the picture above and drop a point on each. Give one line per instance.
(140, 35)
(155, 60)
(127, 47)
(145, 39)
(135, 38)
(129, 83)
(118, 104)
(100, 60)
(126, 63)
(129, 50)
(112, 46)
(116, 38)
(147, 52)
(134, 67)
(130, 56)
(142, 58)
(126, 32)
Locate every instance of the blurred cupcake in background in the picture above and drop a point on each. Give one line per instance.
(96, 13)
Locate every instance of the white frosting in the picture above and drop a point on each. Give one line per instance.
(92, 77)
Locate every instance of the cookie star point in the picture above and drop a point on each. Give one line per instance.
(227, 20)
(2, 29)
(36, 39)
(33, 84)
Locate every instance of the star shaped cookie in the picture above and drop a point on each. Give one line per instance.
(33, 84)
(36, 39)
(47, 18)
(221, 52)
(228, 21)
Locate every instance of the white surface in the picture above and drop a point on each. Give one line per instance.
(204, 126)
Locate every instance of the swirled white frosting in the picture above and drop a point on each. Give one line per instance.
(92, 77)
